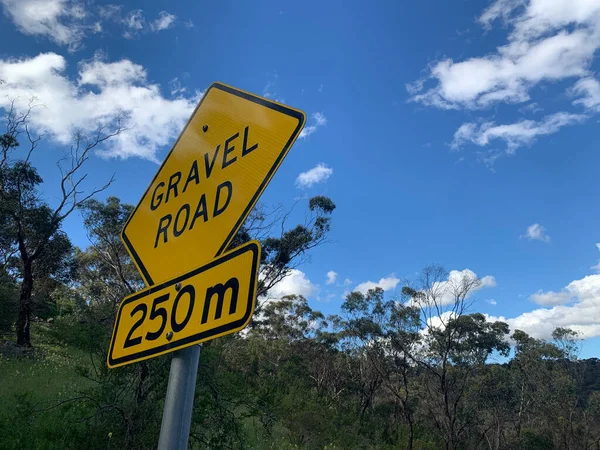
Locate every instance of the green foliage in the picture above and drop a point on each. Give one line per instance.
(121, 408)
(33, 249)
(276, 388)
(105, 270)
(27, 218)
(34, 407)
(532, 440)
(568, 341)
(473, 339)
(290, 318)
(8, 303)
(280, 251)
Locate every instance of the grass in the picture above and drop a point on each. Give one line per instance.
(34, 394)
(36, 411)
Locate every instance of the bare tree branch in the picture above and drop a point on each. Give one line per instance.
(70, 177)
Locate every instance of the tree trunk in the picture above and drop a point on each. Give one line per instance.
(520, 414)
(141, 391)
(24, 320)
(411, 435)
(408, 414)
(450, 438)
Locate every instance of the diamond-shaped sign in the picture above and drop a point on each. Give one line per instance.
(209, 182)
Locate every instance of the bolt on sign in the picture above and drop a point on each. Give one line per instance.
(209, 182)
(206, 303)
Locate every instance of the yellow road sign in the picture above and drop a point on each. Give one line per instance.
(206, 303)
(209, 182)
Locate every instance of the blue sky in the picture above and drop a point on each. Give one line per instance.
(462, 133)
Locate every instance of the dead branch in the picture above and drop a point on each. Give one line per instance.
(70, 179)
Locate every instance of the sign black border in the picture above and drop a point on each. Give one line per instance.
(252, 246)
(247, 96)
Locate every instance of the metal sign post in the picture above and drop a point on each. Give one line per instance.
(179, 402)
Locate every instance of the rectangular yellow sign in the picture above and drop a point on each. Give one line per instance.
(209, 182)
(208, 302)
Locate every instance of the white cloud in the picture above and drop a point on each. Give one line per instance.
(318, 174)
(135, 19)
(68, 22)
(385, 283)
(551, 298)
(61, 21)
(328, 298)
(588, 89)
(110, 12)
(515, 135)
(582, 316)
(164, 21)
(295, 283)
(532, 108)
(331, 277)
(539, 17)
(443, 293)
(319, 120)
(99, 73)
(134, 22)
(176, 87)
(488, 281)
(547, 41)
(347, 282)
(536, 232)
(269, 91)
(500, 9)
(550, 40)
(596, 267)
(101, 92)
(492, 302)
(439, 322)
